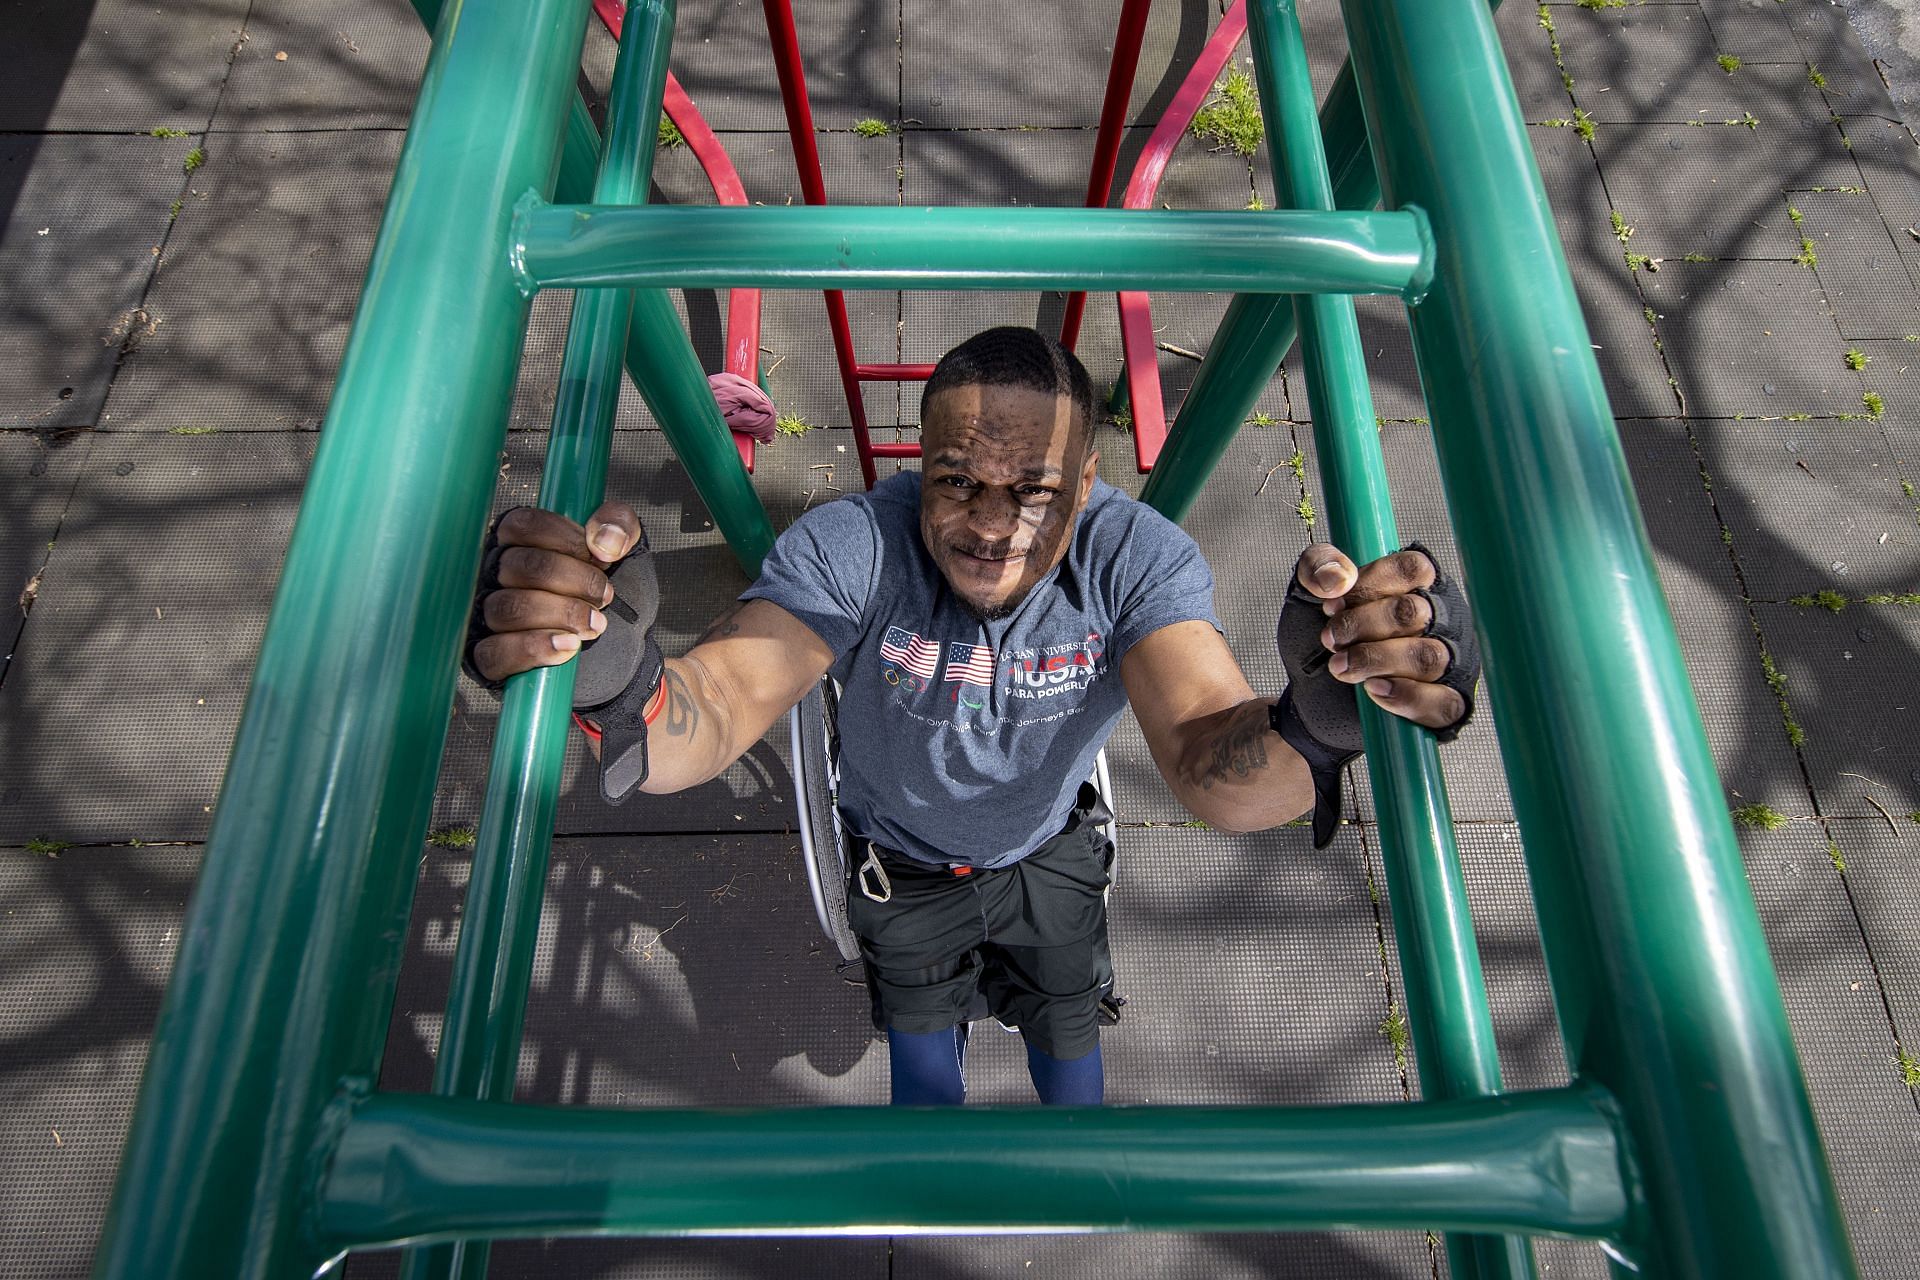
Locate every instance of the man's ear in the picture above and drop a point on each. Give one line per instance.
(1088, 474)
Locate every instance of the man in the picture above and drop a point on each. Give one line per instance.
(988, 619)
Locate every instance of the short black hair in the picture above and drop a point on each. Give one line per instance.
(1014, 356)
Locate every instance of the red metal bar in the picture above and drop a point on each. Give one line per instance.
(1106, 149)
(1136, 317)
(743, 305)
(813, 187)
(894, 372)
(906, 449)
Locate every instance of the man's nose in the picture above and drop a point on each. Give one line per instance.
(993, 514)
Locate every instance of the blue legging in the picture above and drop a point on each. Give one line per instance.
(928, 1070)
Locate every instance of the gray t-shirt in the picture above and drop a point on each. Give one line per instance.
(964, 741)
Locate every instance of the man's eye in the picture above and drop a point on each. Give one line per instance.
(956, 482)
(1033, 493)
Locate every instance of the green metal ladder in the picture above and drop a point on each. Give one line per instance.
(260, 1147)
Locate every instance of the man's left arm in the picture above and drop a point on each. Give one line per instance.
(1214, 741)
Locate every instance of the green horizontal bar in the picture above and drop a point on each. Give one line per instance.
(409, 1169)
(1288, 251)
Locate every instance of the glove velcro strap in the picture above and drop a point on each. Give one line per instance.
(1326, 764)
(620, 724)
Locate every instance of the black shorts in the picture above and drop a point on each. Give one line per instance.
(1027, 942)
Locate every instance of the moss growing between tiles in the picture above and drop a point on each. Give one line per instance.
(1875, 405)
(1814, 77)
(1304, 509)
(792, 424)
(1394, 1028)
(1828, 599)
(164, 132)
(1764, 817)
(668, 135)
(1857, 360)
(1231, 118)
(1728, 63)
(195, 158)
(452, 838)
(871, 128)
(1834, 856)
(1778, 683)
(48, 848)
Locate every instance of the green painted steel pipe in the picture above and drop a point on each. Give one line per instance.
(1661, 975)
(579, 246)
(1446, 996)
(493, 963)
(409, 1169)
(284, 980)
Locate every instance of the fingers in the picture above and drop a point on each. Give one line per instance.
(1326, 571)
(610, 533)
(541, 611)
(613, 531)
(1421, 658)
(500, 656)
(554, 572)
(1391, 575)
(1434, 705)
(1400, 615)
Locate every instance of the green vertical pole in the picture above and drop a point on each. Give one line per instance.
(284, 981)
(493, 964)
(1661, 976)
(1446, 996)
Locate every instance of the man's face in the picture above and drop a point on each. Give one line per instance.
(1005, 473)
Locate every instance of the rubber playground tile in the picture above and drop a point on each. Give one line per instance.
(1755, 31)
(38, 474)
(1880, 856)
(1742, 719)
(1814, 505)
(1851, 685)
(1860, 267)
(1004, 66)
(326, 64)
(1866, 1117)
(700, 578)
(1889, 163)
(1387, 347)
(1530, 63)
(1289, 1256)
(1830, 46)
(1507, 936)
(116, 64)
(77, 257)
(178, 620)
(86, 945)
(1644, 63)
(1751, 338)
(256, 291)
(849, 50)
(1713, 191)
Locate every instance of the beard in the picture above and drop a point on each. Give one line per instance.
(990, 613)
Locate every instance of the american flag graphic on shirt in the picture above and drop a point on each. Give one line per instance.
(972, 663)
(921, 657)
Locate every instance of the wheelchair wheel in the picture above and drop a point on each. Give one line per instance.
(814, 727)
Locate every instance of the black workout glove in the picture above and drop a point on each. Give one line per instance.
(618, 671)
(1319, 715)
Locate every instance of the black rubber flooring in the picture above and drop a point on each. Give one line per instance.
(172, 335)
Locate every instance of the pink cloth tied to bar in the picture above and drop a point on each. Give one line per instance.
(745, 407)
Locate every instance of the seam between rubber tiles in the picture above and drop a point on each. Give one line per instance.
(59, 525)
(186, 189)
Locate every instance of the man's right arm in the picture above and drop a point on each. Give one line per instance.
(752, 664)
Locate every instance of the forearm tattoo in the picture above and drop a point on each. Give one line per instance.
(1238, 751)
(682, 712)
(725, 625)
